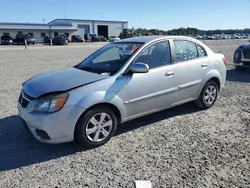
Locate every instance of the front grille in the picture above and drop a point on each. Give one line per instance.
(246, 53)
(24, 100)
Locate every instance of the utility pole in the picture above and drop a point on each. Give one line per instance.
(65, 13)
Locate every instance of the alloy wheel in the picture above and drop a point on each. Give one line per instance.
(99, 127)
(210, 95)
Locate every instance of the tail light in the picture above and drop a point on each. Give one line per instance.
(224, 61)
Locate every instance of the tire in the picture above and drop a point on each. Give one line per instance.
(84, 123)
(204, 103)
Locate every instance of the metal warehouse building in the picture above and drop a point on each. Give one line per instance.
(65, 27)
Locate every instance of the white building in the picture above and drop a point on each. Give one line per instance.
(65, 27)
(100, 27)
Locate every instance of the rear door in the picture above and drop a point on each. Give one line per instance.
(193, 65)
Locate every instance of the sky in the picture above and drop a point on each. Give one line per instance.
(150, 14)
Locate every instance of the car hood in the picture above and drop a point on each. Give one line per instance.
(245, 46)
(59, 81)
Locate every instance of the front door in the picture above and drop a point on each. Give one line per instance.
(152, 91)
(192, 67)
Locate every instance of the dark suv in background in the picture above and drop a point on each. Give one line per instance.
(98, 38)
(60, 40)
(6, 40)
(20, 39)
(76, 38)
(47, 39)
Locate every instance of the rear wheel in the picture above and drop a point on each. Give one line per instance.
(208, 95)
(96, 127)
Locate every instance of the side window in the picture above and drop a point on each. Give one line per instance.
(185, 50)
(155, 55)
(201, 51)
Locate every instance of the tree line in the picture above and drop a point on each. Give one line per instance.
(180, 31)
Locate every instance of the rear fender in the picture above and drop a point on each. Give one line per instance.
(211, 74)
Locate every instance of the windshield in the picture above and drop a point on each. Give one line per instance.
(110, 58)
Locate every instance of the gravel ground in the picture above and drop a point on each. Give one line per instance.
(179, 147)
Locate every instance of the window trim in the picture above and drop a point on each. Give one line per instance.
(148, 46)
(199, 57)
(202, 49)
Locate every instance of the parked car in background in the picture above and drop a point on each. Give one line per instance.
(204, 37)
(98, 38)
(89, 36)
(85, 103)
(232, 37)
(237, 36)
(218, 37)
(6, 40)
(241, 57)
(66, 37)
(102, 38)
(226, 36)
(20, 39)
(199, 37)
(76, 38)
(243, 36)
(113, 38)
(47, 39)
(60, 40)
(211, 37)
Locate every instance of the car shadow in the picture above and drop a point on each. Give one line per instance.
(18, 148)
(156, 117)
(238, 75)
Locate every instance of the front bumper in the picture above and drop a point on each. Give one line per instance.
(58, 126)
(243, 64)
(6, 43)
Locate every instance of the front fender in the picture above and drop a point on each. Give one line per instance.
(95, 98)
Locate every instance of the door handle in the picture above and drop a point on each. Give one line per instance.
(204, 65)
(170, 73)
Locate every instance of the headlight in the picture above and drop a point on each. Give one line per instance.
(50, 104)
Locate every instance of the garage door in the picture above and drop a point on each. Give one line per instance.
(82, 29)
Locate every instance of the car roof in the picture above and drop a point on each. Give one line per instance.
(146, 39)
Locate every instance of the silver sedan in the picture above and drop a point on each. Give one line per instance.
(121, 81)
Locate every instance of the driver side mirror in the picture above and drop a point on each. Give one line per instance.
(139, 68)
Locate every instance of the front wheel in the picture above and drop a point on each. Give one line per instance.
(96, 127)
(208, 95)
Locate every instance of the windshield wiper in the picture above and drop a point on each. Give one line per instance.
(88, 69)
